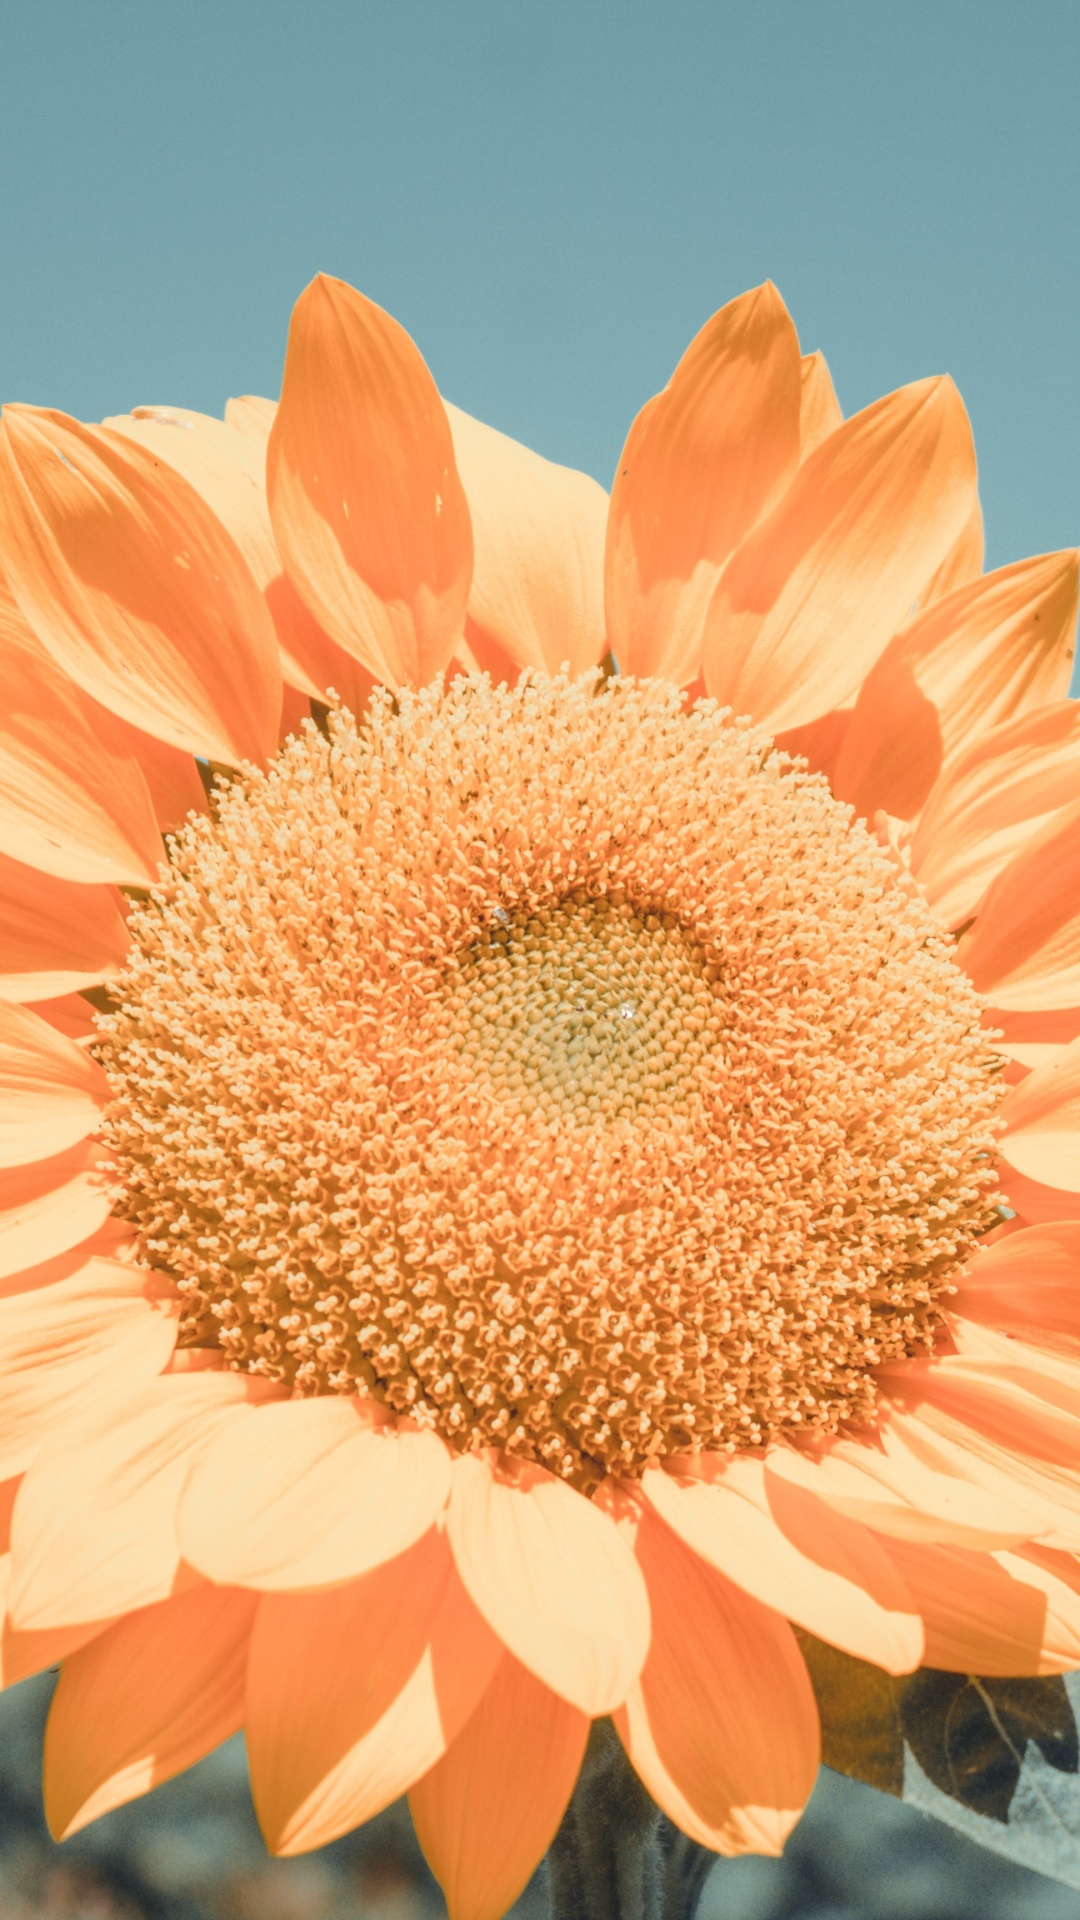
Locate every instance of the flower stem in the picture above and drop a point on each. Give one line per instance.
(616, 1857)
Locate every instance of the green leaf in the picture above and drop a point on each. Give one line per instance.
(1000, 1759)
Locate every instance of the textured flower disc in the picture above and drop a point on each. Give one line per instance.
(564, 1068)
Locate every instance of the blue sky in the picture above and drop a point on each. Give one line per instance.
(552, 198)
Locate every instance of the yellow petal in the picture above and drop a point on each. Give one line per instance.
(963, 562)
(143, 1701)
(988, 805)
(308, 1493)
(1024, 949)
(228, 468)
(55, 936)
(703, 460)
(366, 503)
(488, 1811)
(94, 1531)
(103, 1325)
(819, 408)
(135, 588)
(51, 1092)
(722, 1726)
(538, 569)
(789, 1550)
(1041, 1122)
(986, 653)
(74, 801)
(553, 1576)
(355, 1693)
(813, 595)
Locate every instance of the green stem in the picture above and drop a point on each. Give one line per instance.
(616, 1857)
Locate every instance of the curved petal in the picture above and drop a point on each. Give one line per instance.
(554, 1577)
(1027, 1283)
(1041, 1123)
(229, 470)
(308, 1493)
(489, 1810)
(24, 1654)
(48, 1207)
(1034, 1202)
(134, 587)
(353, 1694)
(786, 1548)
(703, 460)
(993, 1613)
(963, 562)
(986, 1458)
(538, 568)
(51, 1092)
(988, 652)
(105, 1324)
(811, 598)
(55, 935)
(722, 1727)
(143, 1701)
(94, 1531)
(1024, 949)
(72, 803)
(367, 507)
(984, 810)
(906, 1493)
(819, 408)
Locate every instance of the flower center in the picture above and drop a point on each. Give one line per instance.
(564, 1069)
(587, 1012)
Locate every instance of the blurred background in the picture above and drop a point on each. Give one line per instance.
(552, 198)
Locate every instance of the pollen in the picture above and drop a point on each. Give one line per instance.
(565, 1069)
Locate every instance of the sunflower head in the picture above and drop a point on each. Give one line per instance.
(565, 1069)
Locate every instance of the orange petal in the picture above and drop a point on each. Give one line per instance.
(993, 1613)
(812, 597)
(355, 1693)
(228, 469)
(95, 1524)
(71, 803)
(23, 1654)
(538, 530)
(786, 1548)
(367, 507)
(71, 1015)
(1048, 1492)
(135, 588)
(50, 1206)
(251, 413)
(722, 1726)
(819, 408)
(988, 652)
(487, 1813)
(62, 1345)
(703, 460)
(51, 1092)
(143, 1701)
(55, 935)
(1033, 1201)
(891, 1486)
(985, 808)
(553, 1576)
(226, 463)
(1011, 1393)
(309, 1493)
(963, 562)
(1041, 1123)
(1028, 1283)
(1024, 949)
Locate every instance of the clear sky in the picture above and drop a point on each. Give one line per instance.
(552, 198)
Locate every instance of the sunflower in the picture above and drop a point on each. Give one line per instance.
(565, 1174)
